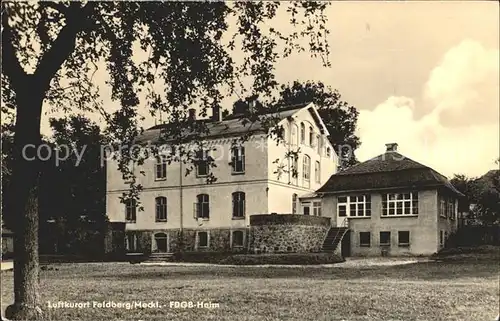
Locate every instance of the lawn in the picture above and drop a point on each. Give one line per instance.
(420, 291)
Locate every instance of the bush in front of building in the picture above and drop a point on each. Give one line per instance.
(470, 253)
(282, 259)
(201, 257)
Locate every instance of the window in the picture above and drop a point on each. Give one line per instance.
(306, 208)
(238, 204)
(445, 236)
(237, 240)
(161, 209)
(294, 203)
(295, 135)
(328, 152)
(302, 133)
(295, 170)
(317, 208)
(161, 168)
(404, 238)
(131, 242)
(354, 206)
(306, 168)
(311, 137)
(202, 167)
(202, 239)
(441, 238)
(317, 172)
(202, 208)
(319, 142)
(238, 159)
(364, 239)
(442, 208)
(130, 210)
(451, 209)
(400, 204)
(385, 238)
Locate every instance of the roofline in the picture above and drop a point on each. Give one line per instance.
(315, 108)
(429, 186)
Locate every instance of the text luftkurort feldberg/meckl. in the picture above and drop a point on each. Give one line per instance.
(131, 305)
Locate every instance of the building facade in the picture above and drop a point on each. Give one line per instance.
(391, 205)
(257, 176)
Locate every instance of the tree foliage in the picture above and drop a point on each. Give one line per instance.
(340, 118)
(51, 52)
(483, 193)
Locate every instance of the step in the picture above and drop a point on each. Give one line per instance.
(156, 257)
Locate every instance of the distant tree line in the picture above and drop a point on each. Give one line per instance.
(483, 193)
(72, 208)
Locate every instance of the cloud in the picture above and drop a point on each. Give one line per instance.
(460, 133)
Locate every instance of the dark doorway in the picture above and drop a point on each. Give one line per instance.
(346, 244)
(161, 242)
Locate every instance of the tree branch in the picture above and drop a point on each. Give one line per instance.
(10, 64)
(57, 6)
(64, 45)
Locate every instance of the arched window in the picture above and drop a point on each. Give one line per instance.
(306, 168)
(238, 204)
(311, 136)
(202, 208)
(130, 210)
(317, 172)
(237, 239)
(285, 134)
(295, 135)
(295, 170)
(328, 152)
(161, 208)
(160, 168)
(302, 133)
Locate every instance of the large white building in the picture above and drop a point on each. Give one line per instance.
(255, 178)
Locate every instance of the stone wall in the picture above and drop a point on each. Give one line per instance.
(219, 240)
(267, 234)
(287, 233)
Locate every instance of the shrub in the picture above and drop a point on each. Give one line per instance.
(282, 259)
(200, 257)
(485, 249)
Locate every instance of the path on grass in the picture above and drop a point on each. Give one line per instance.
(350, 262)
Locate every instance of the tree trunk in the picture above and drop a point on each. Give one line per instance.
(25, 205)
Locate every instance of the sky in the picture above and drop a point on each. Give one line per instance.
(422, 74)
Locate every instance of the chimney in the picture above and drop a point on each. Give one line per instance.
(391, 147)
(216, 113)
(192, 114)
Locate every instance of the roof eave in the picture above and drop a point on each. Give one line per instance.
(402, 187)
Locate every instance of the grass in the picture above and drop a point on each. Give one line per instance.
(420, 291)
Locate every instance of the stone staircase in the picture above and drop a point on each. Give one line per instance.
(153, 257)
(333, 238)
(160, 257)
